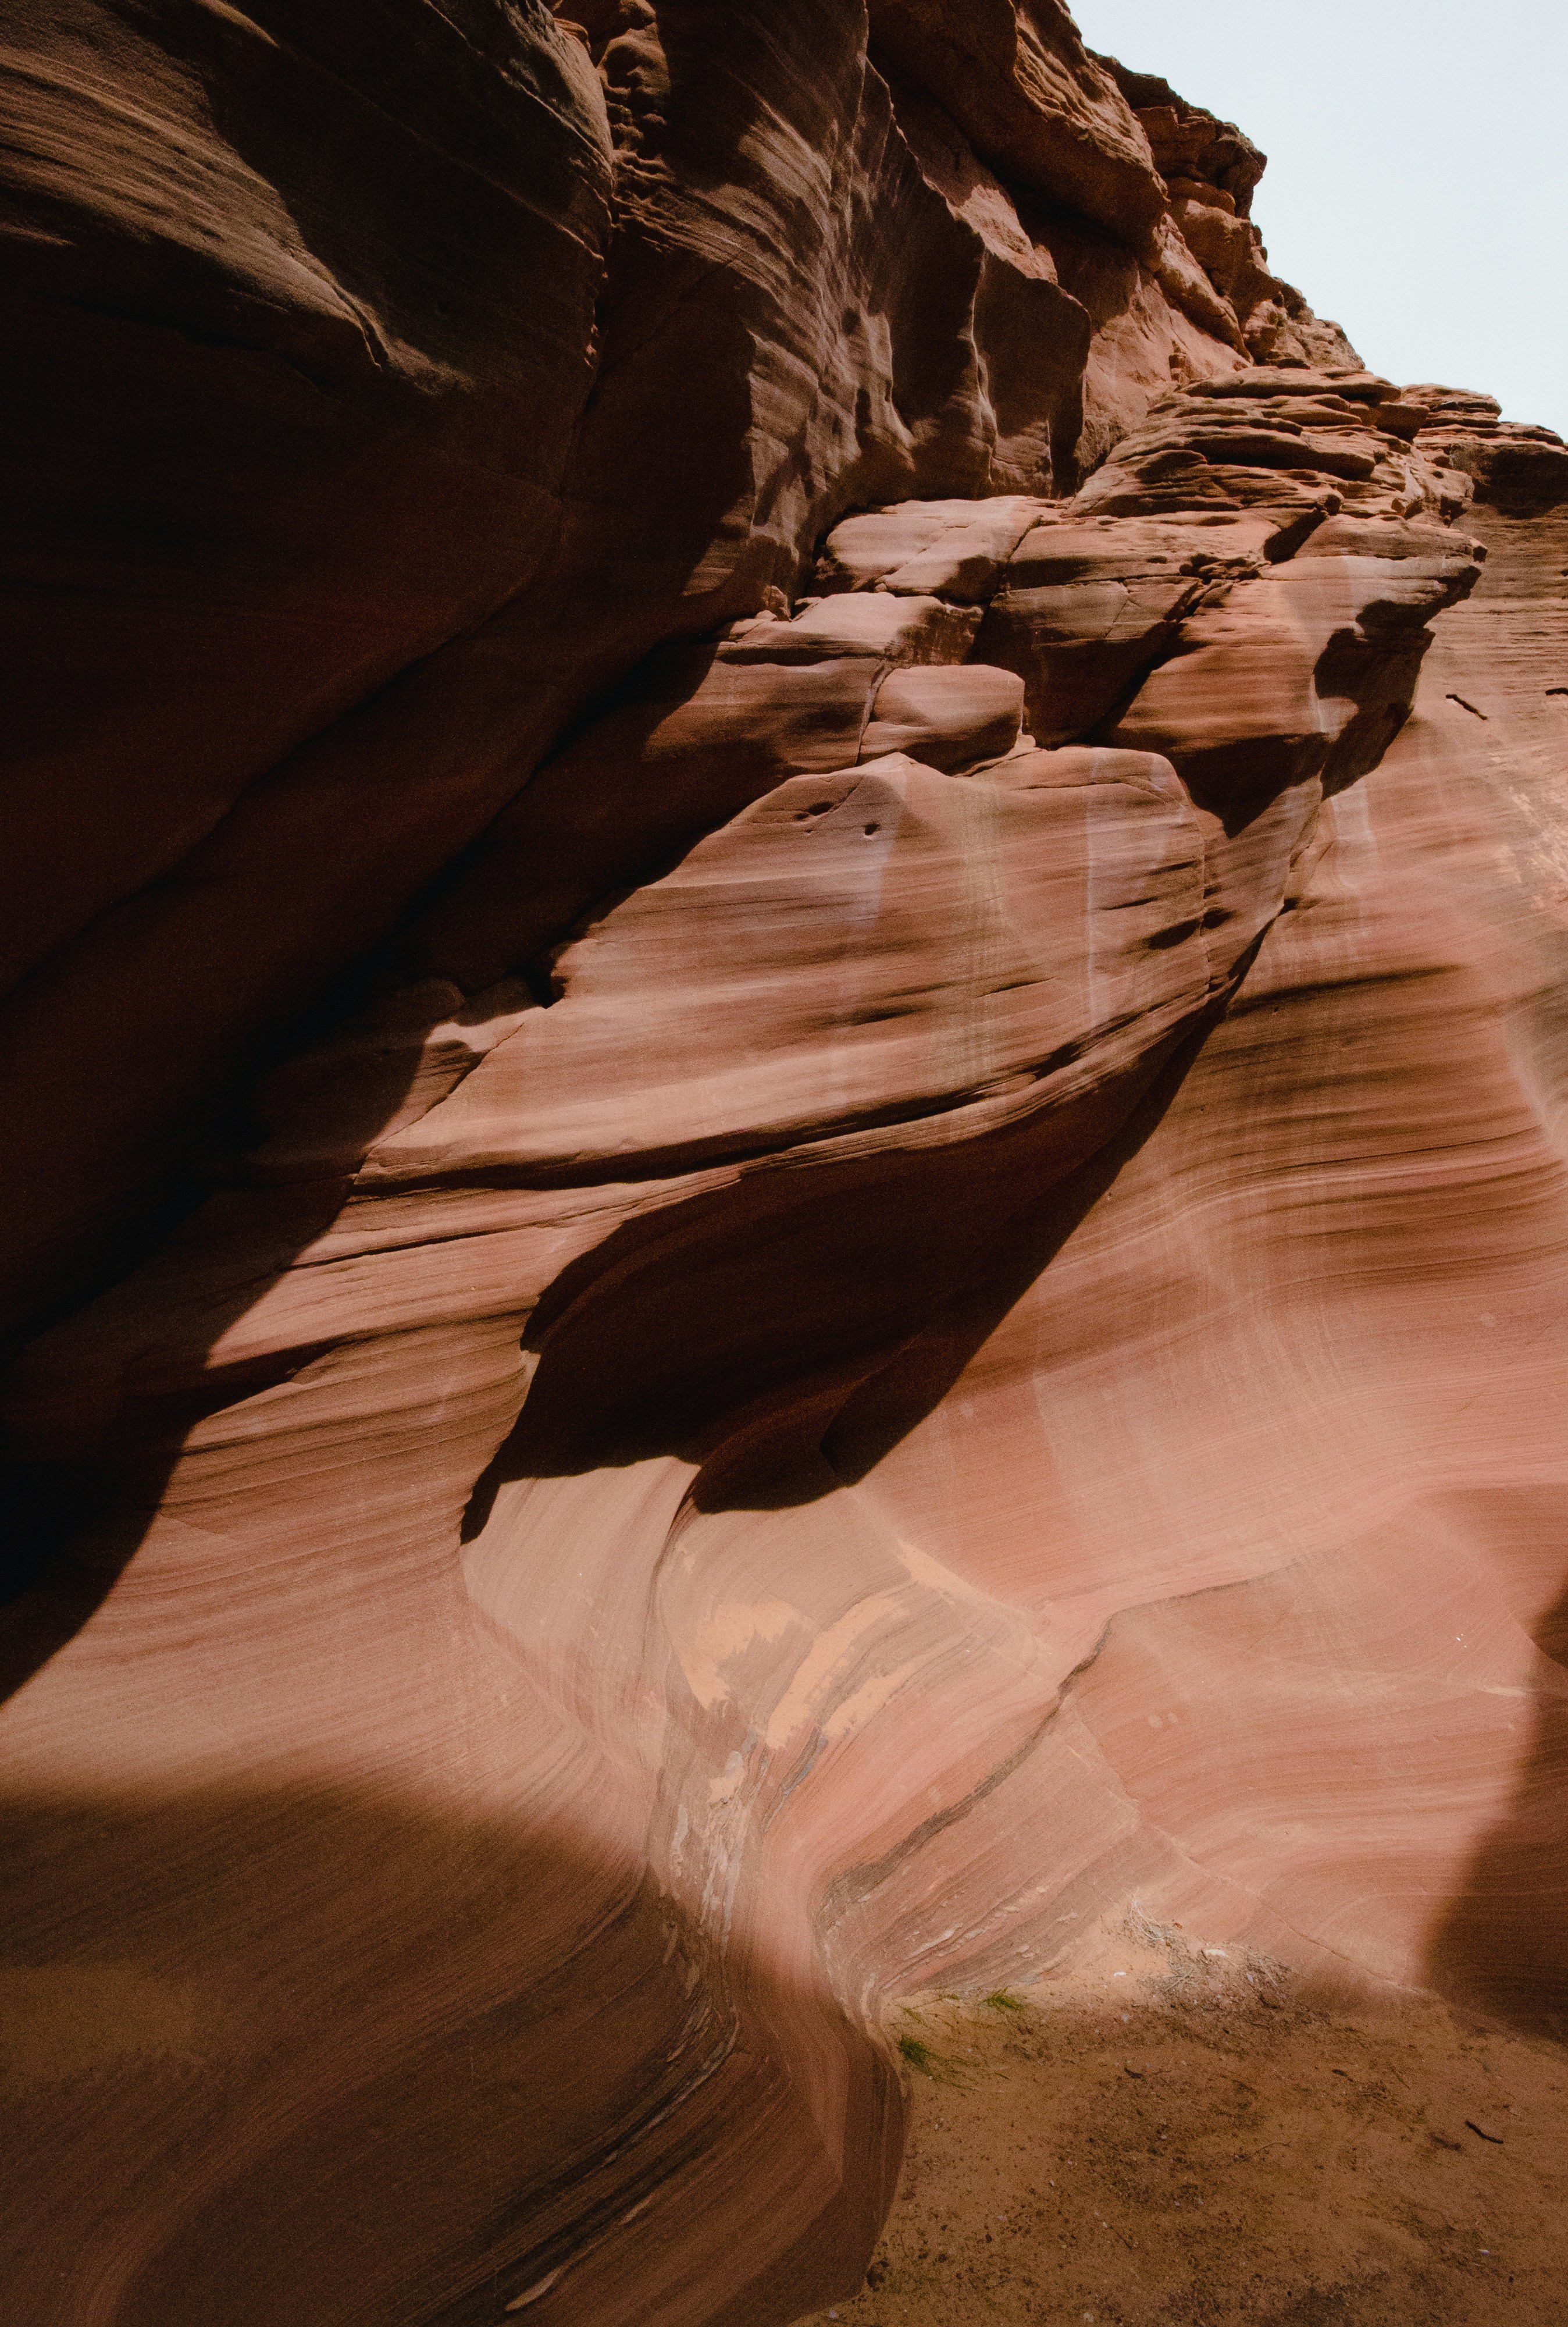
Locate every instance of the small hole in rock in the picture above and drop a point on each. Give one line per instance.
(871, 829)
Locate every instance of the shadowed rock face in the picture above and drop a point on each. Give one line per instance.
(784, 1126)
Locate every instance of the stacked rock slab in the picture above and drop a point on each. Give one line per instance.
(954, 1045)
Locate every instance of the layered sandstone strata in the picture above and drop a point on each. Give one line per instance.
(904, 1283)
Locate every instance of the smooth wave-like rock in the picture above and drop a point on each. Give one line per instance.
(787, 1188)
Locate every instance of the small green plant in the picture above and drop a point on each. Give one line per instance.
(917, 2055)
(1000, 2000)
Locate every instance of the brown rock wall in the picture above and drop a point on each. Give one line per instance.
(910, 1290)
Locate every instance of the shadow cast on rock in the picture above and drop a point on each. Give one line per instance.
(350, 2056)
(1500, 1947)
(857, 1291)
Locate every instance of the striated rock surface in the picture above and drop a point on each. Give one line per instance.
(786, 1132)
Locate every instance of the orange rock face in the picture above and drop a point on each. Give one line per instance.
(785, 1128)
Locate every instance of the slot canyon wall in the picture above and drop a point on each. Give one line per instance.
(786, 1195)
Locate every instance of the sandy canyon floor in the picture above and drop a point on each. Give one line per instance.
(1170, 2135)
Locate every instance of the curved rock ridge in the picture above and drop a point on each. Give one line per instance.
(914, 1294)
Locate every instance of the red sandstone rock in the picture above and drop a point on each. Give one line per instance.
(673, 1486)
(1033, 102)
(1080, 646)
(955, 716)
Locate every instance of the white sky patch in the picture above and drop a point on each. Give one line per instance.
(1417, 185)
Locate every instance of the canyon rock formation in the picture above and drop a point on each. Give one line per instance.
(785, 1141)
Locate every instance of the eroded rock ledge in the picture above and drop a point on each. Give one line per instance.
(860, 1341)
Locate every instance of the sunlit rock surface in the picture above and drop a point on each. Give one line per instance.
(784, 1125)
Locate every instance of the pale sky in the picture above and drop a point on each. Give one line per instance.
(1417, 184)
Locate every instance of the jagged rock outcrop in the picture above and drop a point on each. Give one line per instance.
(1211, 171)
(879, 862)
